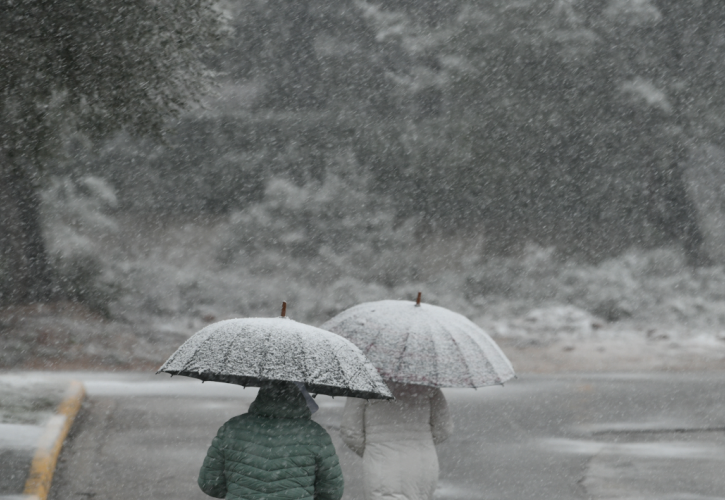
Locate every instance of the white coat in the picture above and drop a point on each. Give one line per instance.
(397, 441)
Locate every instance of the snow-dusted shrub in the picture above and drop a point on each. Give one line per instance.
(76, 215)
(332, 229)
(530, 275)
(632, 283)
(646, 284)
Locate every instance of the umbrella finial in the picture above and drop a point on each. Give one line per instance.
(417, 302)
(284, 309)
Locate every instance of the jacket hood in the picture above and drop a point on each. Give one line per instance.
(280, 400)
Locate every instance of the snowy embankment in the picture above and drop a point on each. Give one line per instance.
(152, 282)
(27, 405)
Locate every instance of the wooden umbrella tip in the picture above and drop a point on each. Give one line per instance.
(284, 309)
(417, 302)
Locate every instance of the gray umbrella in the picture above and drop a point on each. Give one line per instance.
(423, 344)
(251, 351)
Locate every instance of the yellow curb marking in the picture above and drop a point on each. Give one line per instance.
(51, 441)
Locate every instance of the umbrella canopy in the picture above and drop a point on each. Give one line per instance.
(251, 351)
(423, 344)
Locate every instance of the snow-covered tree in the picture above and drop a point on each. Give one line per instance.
(89, 66)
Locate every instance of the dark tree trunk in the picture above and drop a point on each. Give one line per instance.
(673, 211)
(23, 260)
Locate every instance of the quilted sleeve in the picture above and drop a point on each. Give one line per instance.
(211, 476)
(329, 483)
(352, 429)
(440, 418)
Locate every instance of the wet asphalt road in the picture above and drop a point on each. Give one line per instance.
(541, 437)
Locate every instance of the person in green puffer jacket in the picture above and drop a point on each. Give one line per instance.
(273, 452)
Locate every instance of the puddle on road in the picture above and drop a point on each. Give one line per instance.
(663, 449)
(19, 436)
(450, 491)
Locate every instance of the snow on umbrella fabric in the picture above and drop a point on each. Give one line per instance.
(250, 351)
(423, 344)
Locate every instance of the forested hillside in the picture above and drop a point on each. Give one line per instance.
(555, 121)
(542, 166)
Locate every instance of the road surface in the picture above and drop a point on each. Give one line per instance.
(654, 436)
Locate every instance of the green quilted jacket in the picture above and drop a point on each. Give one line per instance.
(274, 452)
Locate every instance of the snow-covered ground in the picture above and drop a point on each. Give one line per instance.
(27, 401)
(27, 414)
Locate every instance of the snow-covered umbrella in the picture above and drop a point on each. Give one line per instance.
(251, 351)
(414, 343)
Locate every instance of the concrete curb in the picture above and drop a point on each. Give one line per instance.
(50, 443)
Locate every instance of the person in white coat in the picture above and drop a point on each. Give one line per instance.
(397, 440)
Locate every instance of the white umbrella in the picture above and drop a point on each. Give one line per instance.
(422, 344)
(251, 351)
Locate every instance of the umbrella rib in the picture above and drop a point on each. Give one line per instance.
(361, 370)
(169, 361)
(496, 348)
(402, 353)
(497, 377)
(373, 342)
(366, 350)
(460, 351)
(354, 374)
(435, 353)
(198, 349)
(265, 356)
(305, 373)
(337, 359)
(437, 361)
(227, 353)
